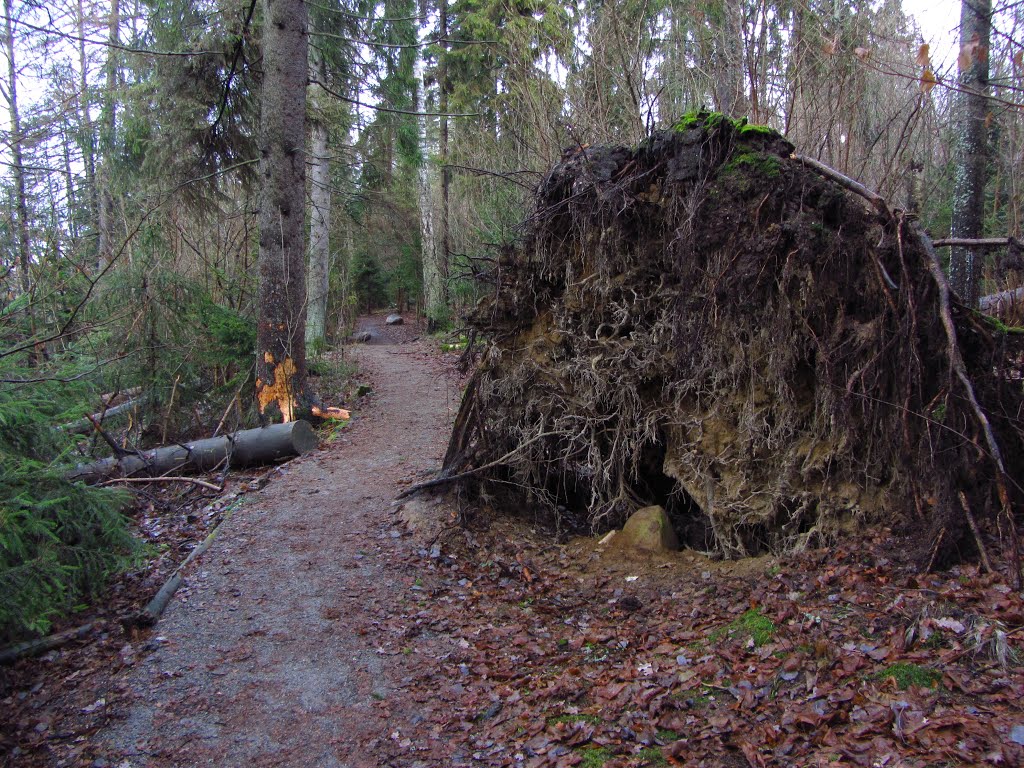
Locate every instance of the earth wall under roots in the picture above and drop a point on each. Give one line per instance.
(707, 323)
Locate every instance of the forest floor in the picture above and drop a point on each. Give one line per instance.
(329, 625)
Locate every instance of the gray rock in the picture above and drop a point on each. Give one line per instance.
(648, 529)
(394, 320)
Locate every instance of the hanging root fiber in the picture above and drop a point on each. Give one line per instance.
(747, 338)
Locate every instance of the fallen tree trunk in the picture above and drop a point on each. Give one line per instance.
(12, 653)
(84, 426)
(245, 448)
(1002, 303)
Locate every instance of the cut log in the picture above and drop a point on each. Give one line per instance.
(246, 448)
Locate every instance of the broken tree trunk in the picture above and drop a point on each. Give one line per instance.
(245, 448)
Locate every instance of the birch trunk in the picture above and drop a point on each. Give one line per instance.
(319, 269)
(433, 297)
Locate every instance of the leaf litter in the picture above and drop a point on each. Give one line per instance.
(520, 649)
(837, 656)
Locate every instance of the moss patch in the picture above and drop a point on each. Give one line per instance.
(760, 163)
(753, 624)
(652, 756)
(906, 675)
(594, 757)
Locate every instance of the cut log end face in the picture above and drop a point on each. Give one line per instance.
(280, 392)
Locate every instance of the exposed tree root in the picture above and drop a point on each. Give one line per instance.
(713, 324)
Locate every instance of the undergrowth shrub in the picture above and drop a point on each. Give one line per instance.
(59, 541)
(189, 352)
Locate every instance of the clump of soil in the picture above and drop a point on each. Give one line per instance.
(706, 323)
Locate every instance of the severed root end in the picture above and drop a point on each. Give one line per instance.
(339, 414)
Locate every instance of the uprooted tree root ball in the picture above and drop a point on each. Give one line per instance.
(708, 323)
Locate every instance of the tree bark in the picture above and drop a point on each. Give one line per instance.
(319, 268)
(246, 448)
(17, 139)
(433, 297)
(281, 341)
(970, 161)
(87, 136)
(444, 258)
(729, 92)
(108, 127)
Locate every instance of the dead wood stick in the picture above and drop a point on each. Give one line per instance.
(957, 363)
(165, 479)
(238, 394)
(935, 549)
(12, 653)
(967, 242)
(155, 608)
(444, 480)
(167, 414)
(117, 449)
(847, 183)
(977, 533)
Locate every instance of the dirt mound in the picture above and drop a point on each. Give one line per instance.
(707, 323)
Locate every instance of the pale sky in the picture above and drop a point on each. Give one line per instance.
(939, 21)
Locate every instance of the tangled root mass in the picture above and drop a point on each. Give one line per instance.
(706, 323)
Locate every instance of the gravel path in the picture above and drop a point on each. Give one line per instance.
(287, 647)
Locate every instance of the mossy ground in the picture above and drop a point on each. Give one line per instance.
(907, 675)
(752, 625)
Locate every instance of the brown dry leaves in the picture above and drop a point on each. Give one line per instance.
(557, 665)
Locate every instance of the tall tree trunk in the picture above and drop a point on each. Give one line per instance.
(108, 128)
(970, 169)
(319, 269)
(444, 259)
(17, 140)
(729, 94)
(433, 294)
(281, 343)
(85, 127)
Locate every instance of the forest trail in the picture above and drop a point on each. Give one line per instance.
(281, 649)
